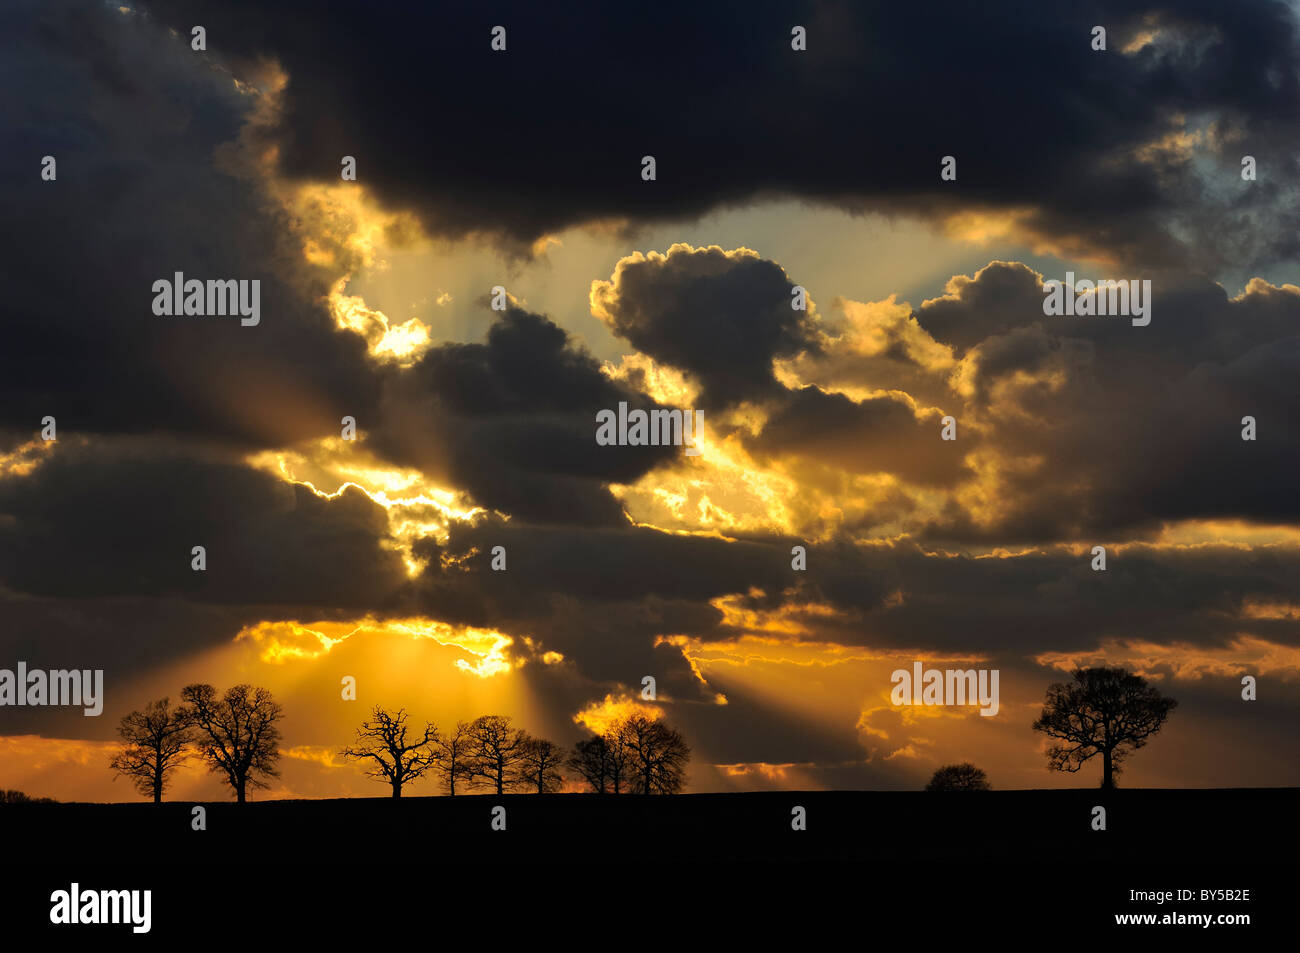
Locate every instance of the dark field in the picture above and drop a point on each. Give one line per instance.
(1016, 859)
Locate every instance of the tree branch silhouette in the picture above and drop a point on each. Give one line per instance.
(1104, 711)
(384, 741)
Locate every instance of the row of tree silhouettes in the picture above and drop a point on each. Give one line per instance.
(636, 754)
(1103, 712)
(237, 735)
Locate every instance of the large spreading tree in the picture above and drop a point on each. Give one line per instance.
(238, 733)
(1103, 711)
(392, 755)
(496, 751)
(154, 742)
(637, 754)
(657, 753)
(541, 767)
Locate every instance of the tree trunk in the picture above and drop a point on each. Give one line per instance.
(1107, 772)
(157, 790)
(397, 788)
(239, 791)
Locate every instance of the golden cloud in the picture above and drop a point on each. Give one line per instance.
(283, 641)
(597, 717)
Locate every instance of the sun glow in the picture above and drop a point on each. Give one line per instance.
(416, 508)
(286, 641)
(338, 226)
(25, 458)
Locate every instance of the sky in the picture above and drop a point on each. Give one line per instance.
(775, 169)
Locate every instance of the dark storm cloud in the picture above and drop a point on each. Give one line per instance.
(133, 125)
(775, 735)
(1131, 426)
(513, 422)
(1091, 396)
(881, 435)
(1044, 600)
(551, 132)
(95, 559)
(612, 565)
(603, 595)
(121, 518)
(1054, 601)
(722, 317)
(600, 596)
(139, 119)
(124, 636)
(1004, 295)
(1069, 406)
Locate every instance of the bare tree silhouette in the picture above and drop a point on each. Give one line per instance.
(454, 755)
(397, 759)
(590, 759)
(495, 752)
(155, 742)
(619, 754)
(657, 754)
(958, 777)
(238, 734)
(603, 760)
(1105, 711)
(540, 765)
